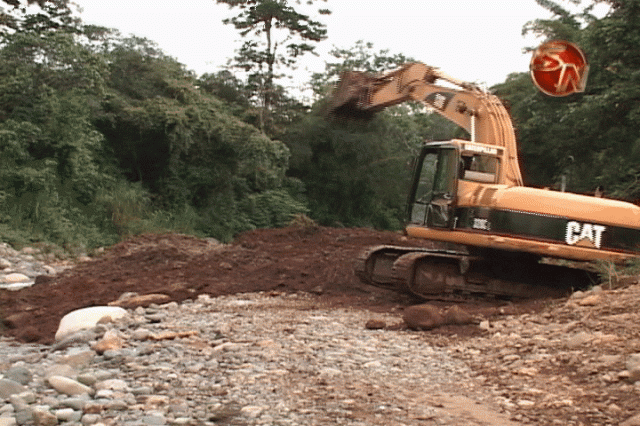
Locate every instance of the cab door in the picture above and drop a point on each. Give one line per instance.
(433, 193)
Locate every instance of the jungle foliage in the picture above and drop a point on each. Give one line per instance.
(590, 138)
(104, 136)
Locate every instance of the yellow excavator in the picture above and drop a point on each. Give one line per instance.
(480, 230)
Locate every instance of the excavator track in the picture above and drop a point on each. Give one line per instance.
(376, 266)
(455, 275)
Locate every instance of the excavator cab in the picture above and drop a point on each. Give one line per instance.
(435, 180)
(437, 175)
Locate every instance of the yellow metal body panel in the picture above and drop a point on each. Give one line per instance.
(545, 249)
(477, 111)
(546, 202)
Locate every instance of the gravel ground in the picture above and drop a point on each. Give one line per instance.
(275, 329)
(252, 359)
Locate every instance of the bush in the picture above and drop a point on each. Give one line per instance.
(126, 206)
(273, 209)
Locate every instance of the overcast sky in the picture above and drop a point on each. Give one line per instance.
(473, 40)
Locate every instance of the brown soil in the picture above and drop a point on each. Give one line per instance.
(316, 260)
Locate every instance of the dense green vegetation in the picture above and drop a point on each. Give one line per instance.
(102, 136)
(591, 138)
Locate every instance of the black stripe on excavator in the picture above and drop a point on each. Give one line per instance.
(548, 228)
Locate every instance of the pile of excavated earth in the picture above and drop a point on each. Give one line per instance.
(274, 328)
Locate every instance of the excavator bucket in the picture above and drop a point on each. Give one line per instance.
(351, 97)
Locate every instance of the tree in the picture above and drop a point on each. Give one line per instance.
(589, 138)
(53, 161)
(103, 136)
(53, 15)
(282, 35)
(228, 88)
(185, 147)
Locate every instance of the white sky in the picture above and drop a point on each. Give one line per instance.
(473, 40)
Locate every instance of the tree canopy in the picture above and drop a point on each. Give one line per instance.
(588, 138)
(52, 15)
(280, 35)
(102, 136)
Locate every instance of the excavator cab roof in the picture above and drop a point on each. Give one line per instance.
(468, 147)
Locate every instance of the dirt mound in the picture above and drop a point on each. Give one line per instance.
(317, 260)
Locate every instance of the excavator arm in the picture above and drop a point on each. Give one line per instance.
(360, 95)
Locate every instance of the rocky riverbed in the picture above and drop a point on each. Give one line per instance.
(305, 345)
(254, 359)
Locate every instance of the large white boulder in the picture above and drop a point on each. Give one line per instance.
(86, 318)
(69, 386)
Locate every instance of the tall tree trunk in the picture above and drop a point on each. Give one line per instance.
(271, 56)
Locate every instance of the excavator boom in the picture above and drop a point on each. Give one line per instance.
(481, 114)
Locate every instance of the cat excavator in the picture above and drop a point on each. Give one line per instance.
(476, 229)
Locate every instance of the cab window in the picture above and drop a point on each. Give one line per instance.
(478, 168)
(436, 180)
